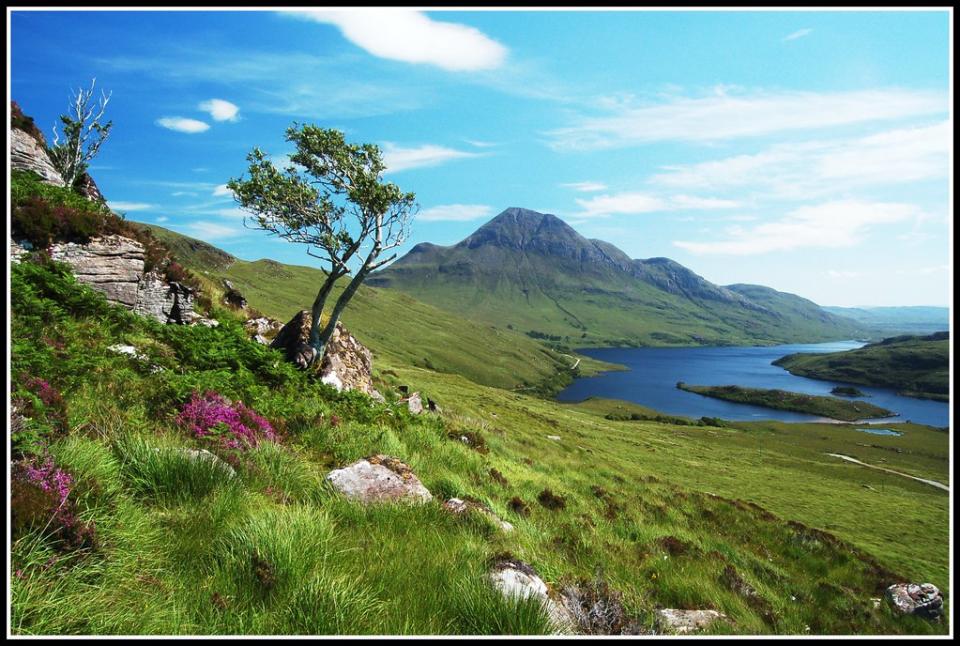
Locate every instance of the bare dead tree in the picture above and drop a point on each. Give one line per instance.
(83, 134)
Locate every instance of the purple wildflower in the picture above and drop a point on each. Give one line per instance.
(235, 425)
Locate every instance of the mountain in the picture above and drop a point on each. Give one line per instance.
(533, 272)
(898, 320)
(916, 366)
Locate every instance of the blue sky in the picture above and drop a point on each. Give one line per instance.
(809, 151)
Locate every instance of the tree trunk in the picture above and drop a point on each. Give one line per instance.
(339, 307)
(316, 311)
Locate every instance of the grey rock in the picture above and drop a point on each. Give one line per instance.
(377, 479)
(458, 506)
(166, 302)
(26, 153)
(517, 580)
(922, 600)
(17, 251)
(684, 622)
(414, 403)
(203, 454)
(112, 265)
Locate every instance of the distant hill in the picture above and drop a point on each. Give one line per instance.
(917, 366)
(898, 320)
(533, 272)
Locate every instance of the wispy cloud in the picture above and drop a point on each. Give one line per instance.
(724, 116)
(454, 213)
(398, 158)
(800, 33)
(585, 187)
(213, 231)
(829, 225)
(221, 190)
(632, 203)
(818, 168)
(412, 37)
(182, 124)
(220, 110)
(129, 206)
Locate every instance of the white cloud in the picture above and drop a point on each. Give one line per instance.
(235, 212)
(633, 203)
(481, 144)
(221, 190)
(183, 193)
(454, 213)
(219, 109)
(161, 219)
(182, 124)
(829, 225)
(129, 206)
(212, 231)
(585, 187)
(412, 37)
(725, 116)
(800, 33)
(801, 170)
(398, 159)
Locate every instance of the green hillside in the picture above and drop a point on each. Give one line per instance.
(398, 329)
(916, 366)
(654, 514)
(532, 272)
(831, 407)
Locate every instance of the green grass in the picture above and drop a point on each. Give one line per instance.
(656, 509)
(832, 407)
(916, 366)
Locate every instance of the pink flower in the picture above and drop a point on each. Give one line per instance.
(236, 426)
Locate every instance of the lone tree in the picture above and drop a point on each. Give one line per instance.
(332, 198)
(83, 133)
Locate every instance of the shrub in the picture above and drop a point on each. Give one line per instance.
(42, 222)
(230, 424)
(39, 500)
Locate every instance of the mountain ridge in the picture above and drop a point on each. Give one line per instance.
(534, 271)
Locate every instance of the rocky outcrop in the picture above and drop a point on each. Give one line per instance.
(923, 600)
(26, 153)
(517, 580)
(346, 363)
(18, 251)
(89, 189)
(379, 478)
(113, 265)
(166, 302)
(232, 296)
(684, 622)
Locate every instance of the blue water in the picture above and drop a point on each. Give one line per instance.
(879, 431)
(654, 372)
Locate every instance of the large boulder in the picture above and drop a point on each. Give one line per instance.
(89, 189)
(27, 153)
(923, 600)
(346, 363)
(379, 478)
(167, 302)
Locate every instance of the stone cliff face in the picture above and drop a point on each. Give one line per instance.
(26, 153)
(113, 265)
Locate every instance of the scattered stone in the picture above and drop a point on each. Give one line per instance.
(876, 602)
(923, 600)
(555, 438)
(119, 348)
(414, 403)
(684, 622)
(18, 249)
(232, 296)
(203, 454)
(379, 478)
(517, 580)
(457, 506)
(261, 328)
(206, 322)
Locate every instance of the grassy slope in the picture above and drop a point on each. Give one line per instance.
(915, 366)
(397, 328)
(658, 510)
(831, 407)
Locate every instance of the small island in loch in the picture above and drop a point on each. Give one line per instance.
(839, 409)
